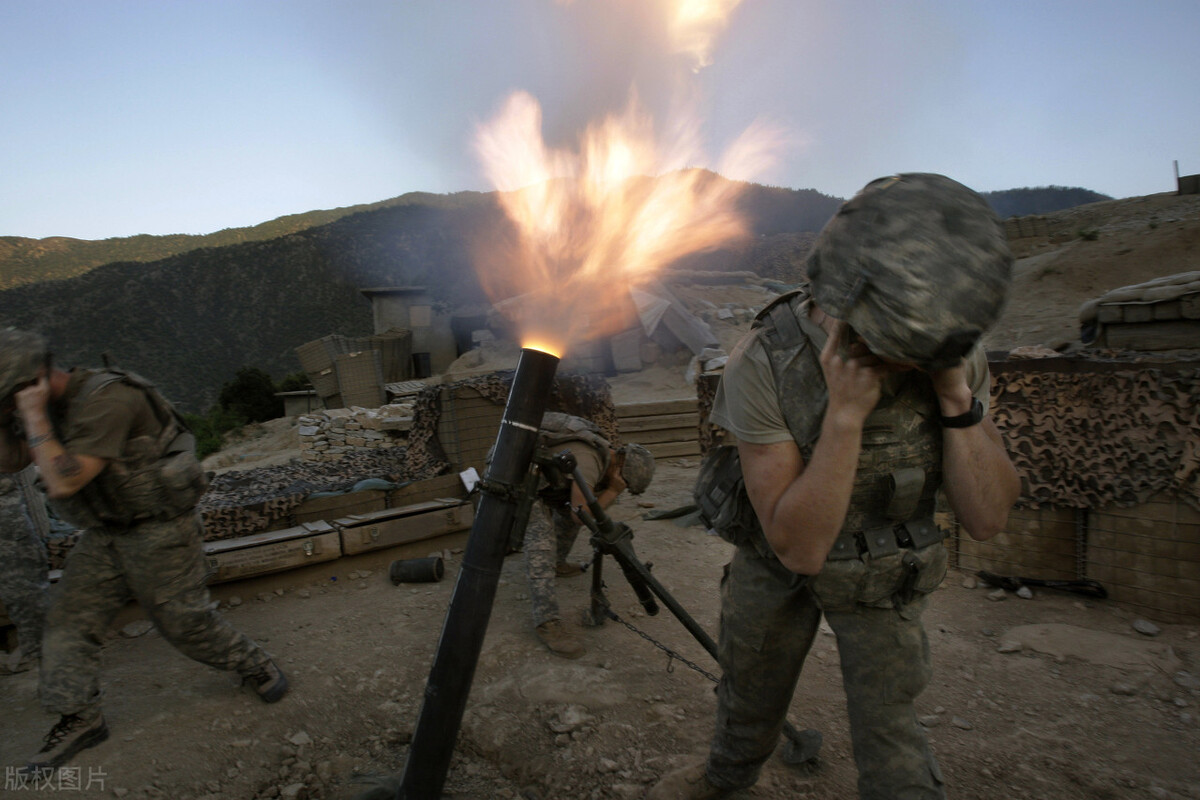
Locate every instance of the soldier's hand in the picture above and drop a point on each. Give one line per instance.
(853, 375)
(32, 399)
(612, 476)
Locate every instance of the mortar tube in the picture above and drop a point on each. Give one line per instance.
(470, 607)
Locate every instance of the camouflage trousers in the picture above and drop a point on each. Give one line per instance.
(24, 569)
(549, 537)
(769, 617)
(161, 565)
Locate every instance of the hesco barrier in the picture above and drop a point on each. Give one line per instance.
(1108, 448)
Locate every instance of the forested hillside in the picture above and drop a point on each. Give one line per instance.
(24, 260)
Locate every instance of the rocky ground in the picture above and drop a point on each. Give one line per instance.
(1054, 697)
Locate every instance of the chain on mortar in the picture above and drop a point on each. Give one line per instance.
(1096, 439)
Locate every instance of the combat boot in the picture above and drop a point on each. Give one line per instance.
(687, 783)
(559, 640)
(72, 733)
(267, 681)
(567, 569)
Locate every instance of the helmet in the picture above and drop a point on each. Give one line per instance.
(917, 264)
(22, 354)
(638, 469)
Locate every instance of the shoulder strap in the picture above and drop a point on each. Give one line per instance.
(175, 436)
(792, 343)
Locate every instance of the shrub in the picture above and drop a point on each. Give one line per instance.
(251, 396)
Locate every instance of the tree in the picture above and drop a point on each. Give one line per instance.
(250, 396)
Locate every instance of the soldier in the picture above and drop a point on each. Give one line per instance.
(24, 571)
(851, 408)
(117, 461)
(553, 526)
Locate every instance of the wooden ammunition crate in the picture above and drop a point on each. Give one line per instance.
(272, 551)
(341, 505)
(667, 428)
(413, 523)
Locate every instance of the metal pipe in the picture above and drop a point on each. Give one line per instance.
(470, 608)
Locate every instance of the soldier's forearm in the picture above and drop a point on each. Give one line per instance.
(980, 480)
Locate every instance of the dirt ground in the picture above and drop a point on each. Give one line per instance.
(1056, 697)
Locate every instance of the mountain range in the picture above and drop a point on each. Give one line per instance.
(189, 311)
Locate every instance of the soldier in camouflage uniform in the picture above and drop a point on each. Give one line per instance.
(850, 409)
(553, 526)
(117, 461)
(24, 572)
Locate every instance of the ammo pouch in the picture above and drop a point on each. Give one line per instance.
(724, 506)
(165, 489)
(885, 567)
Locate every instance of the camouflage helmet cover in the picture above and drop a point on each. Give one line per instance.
(917, 264)
(638, 469)
(22, 354)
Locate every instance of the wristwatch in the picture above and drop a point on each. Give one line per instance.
(972, 417)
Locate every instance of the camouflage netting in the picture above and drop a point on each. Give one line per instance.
(243, 502)
(1091, 439)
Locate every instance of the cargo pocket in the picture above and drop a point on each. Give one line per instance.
(884, 577)
(838, 585)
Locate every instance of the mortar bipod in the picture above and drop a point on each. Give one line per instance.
(616, 539)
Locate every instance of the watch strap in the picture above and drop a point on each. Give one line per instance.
(972, 417)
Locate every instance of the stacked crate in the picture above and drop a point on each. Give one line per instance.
(667, 428)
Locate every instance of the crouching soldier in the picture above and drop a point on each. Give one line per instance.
(553, 526)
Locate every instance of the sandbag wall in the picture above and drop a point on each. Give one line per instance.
(1109, 455)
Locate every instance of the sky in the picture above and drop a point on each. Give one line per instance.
(124, 117)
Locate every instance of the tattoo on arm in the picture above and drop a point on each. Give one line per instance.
(67, 466)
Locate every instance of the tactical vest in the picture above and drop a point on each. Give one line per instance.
(155, 477)
(558, 428)
(899, 465)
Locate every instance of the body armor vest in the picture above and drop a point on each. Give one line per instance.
(155, 477)
(900, 463)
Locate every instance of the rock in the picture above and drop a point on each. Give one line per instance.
(1123, 689)
(300, 739)
(294, 791)
(959, 722)
(929, 720)
(304, 594)
(1186, 680)
(1146, 627)
(997, 595)
(1009, 646)
(1025, 593)
(137, 628)
(569, 719)
(969, 582)
(234, 601)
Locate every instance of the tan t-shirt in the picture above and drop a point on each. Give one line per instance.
(105, 420)
(747, 405)
(587, 458)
